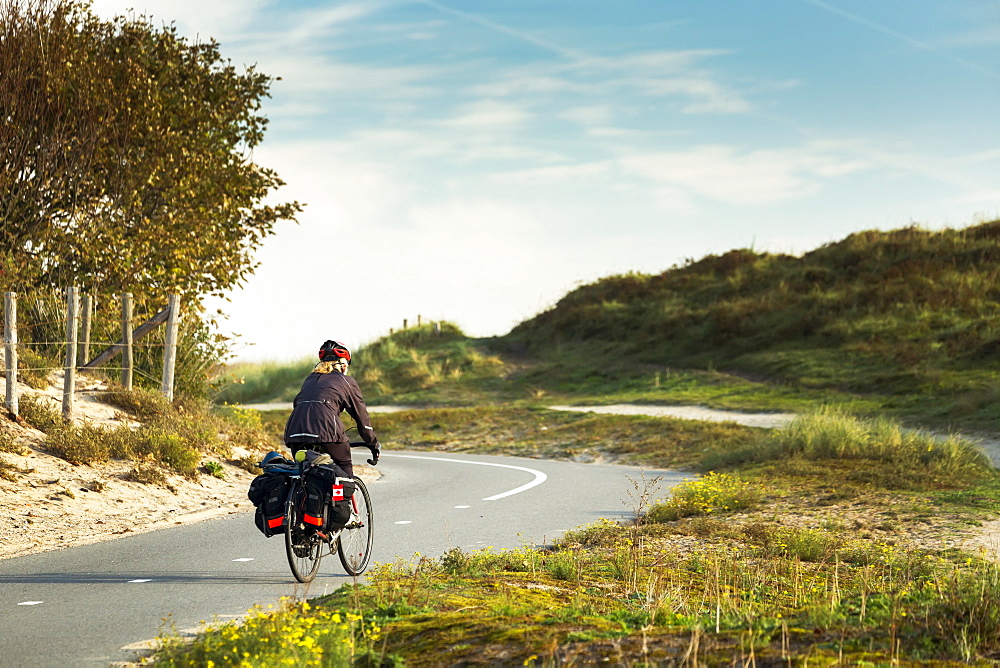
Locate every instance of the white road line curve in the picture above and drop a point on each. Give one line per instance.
(539, 476)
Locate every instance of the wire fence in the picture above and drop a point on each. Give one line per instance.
(45, 333)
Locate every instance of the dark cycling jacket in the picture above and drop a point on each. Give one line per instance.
(316, 410)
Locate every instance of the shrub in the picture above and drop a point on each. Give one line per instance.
(565, 565)
(829, 433)
(244, 427)
(248, 464)
(714, 493)
(171, 449)
(140, 402)
(797, 543)
(297, 634)
(487, 562)
(8, 443)
(83, 444)
(33, 369)
(148, 474)
(40, 412)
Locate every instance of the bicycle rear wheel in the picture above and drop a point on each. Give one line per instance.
(302, 545)
(354, 545)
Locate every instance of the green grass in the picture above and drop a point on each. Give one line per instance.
(429, 364)
(830, 434)
(261, 382)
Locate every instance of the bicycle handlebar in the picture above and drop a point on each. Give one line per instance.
(362, 444)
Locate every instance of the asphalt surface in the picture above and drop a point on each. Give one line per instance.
(86, 606)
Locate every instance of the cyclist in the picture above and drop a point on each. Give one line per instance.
(315, 419)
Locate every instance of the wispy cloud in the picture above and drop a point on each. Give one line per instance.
(489, 115)
(311, 24)
(727, 174)
(589, 116)
(918, 44)
(521, 35)
(984, 35)
(653, 72)
(555, 173)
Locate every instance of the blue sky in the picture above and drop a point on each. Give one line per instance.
(475, 161)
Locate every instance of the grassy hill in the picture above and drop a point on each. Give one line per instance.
(907, 314)
(906, 321)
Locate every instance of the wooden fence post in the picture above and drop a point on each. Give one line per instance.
(86, 314)
(404, 323)
(420, 320)
(10, 343)
(170, 347)
(72, 326)
(128, 358)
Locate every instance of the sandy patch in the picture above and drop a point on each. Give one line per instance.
(766, 420)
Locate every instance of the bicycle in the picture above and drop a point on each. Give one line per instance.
(305, 546)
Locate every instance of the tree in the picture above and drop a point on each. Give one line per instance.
(126, 156)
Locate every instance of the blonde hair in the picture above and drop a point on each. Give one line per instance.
(329, 366)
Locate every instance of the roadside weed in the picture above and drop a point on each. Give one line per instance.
(713, 493)
(214, 469)
(297, 634)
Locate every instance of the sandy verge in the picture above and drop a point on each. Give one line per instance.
(57, 504)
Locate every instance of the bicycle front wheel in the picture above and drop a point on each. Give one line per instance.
(302, 545)
(354, 545)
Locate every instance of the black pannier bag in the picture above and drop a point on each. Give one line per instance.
(336, 488)
(268, 493)
(314, 512)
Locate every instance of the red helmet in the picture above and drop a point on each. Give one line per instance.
(332, 350)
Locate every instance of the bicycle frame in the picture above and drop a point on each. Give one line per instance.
(305, 545)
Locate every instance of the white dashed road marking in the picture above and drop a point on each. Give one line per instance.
(463, 506)
(141, 580)
(244, 559)
(30, 603)
(405, 522)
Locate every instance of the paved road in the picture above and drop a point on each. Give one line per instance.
(80, 606)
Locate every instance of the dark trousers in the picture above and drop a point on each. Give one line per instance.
(339, 452)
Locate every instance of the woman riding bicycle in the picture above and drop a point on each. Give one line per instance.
(315, 419)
